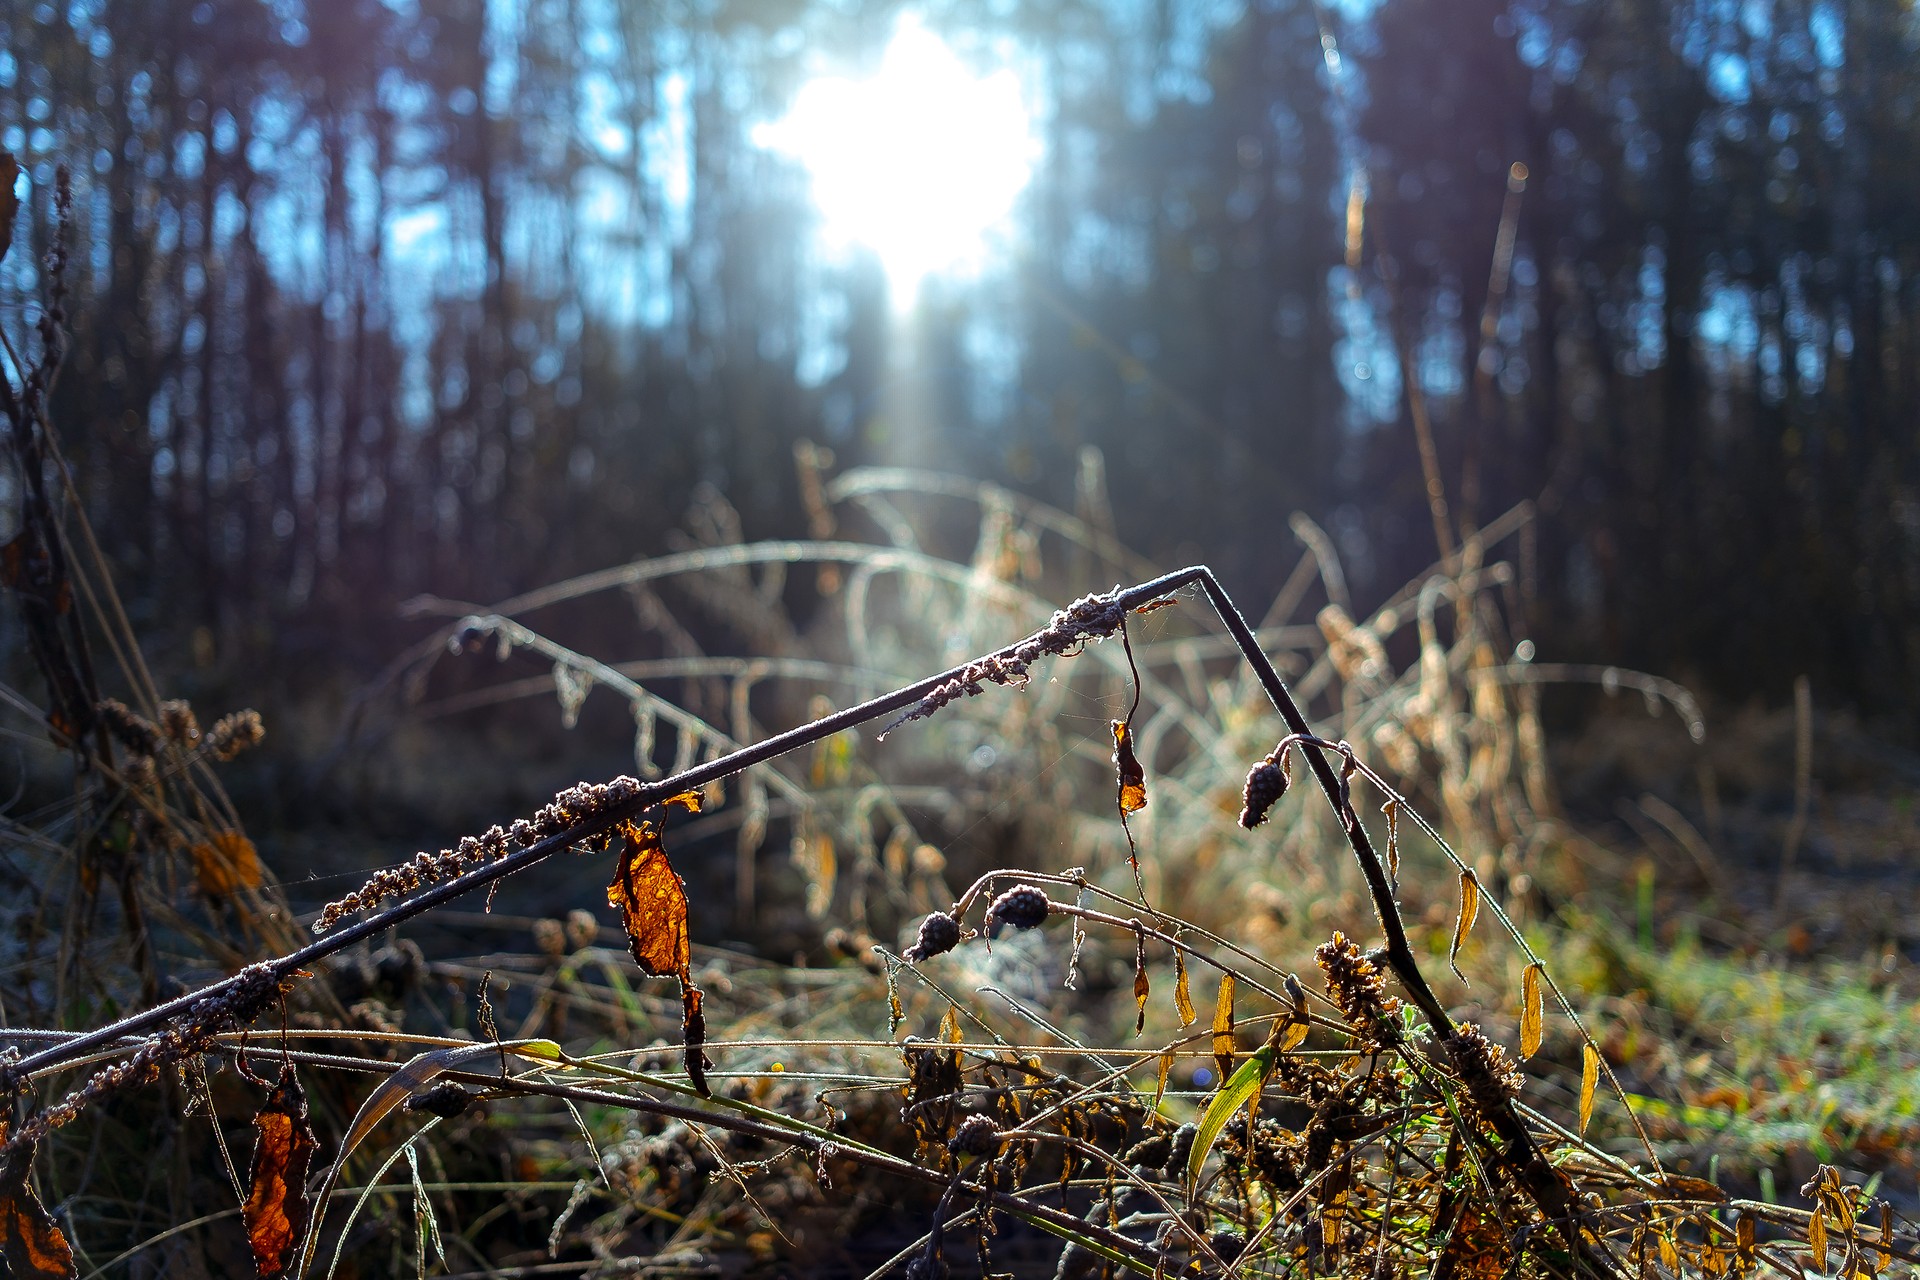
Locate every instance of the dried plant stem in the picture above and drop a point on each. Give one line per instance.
(1095, 616)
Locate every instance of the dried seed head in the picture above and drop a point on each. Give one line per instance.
(178, 723)
(1150, 1153)
(939, 933)
(1229, 1245)
(445, 1100)
(1491, 1080)
(1266, 783)
(131, 730)
(1356, 985)
(1182, 1146)
(235, 733)
(1023, 907)
(978, 1136)
(582, 928)
(551, 937)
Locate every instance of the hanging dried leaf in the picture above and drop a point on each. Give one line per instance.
(1589, 1081)
(1392, 809)
(277, 1205)
(1166, 1070)
(1532, 1024)
(225, 864)
(1223, 1026)
(693, 1035)
(1817, 1237)
(30, 1244)
(1140, 984)
(1469, 908)
(1133, 779)
(1182, 999)
(652, 901)
(950, 1032)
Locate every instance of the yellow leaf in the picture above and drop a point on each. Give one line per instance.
(1469, 908)
(1669, 1254)
(1817, 1237)
(1166, 1069)
(1531, 1029)
(225, 863)
(1182, 1000)
(1589, 1081)
(1223, 1026)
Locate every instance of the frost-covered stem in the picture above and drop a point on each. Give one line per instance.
(642, 796)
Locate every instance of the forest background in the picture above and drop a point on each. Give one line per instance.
(377, 299)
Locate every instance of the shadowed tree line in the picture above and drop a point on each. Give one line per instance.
(375, 299)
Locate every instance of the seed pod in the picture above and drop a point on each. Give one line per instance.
(445, 1100)
(1023, 907)
(978, 1136)
(939, 933)
(1266, 783)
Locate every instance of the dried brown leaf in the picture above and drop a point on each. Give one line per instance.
(652, 901)
(277, 1206)
(32, 1247)
(1817, 1237)
(1223, 1027)
(1469, 909)
(1140, 984)
(224, 864)
(1133, 779)
(1182, 998)
(1532, 1023)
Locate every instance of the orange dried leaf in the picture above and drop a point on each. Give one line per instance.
(30, 1244)
(652, 902)
(1140, 984)
(1532, 1024)
(1133, 779)
(1817, 1237)
(225, 864)
(1223, 1027)
(1166, 1069)
(1182, 999)
(688, 800)
(277, 1206)
(1469, 908)
(1589, 1081)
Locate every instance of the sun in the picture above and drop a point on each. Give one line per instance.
(921, 163)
